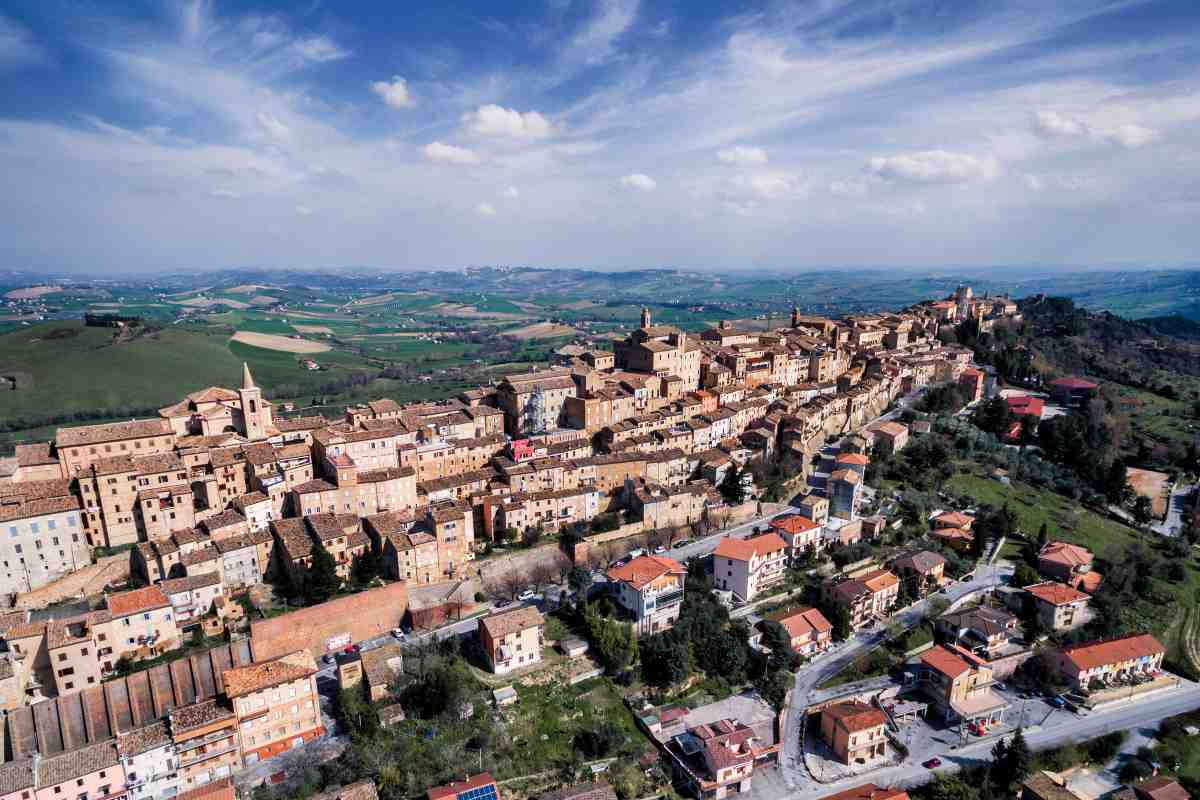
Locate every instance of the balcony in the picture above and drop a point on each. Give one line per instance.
(668, 598)
(208, 754)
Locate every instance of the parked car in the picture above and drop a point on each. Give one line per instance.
(658, 551)
(638, 553)
(681, 544)
(502, 602)
(932, 763)
(526, 595)
(398, 634)
(1057, 702)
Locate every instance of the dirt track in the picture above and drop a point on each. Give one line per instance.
(272, 341)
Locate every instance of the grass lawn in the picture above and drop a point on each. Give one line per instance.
(1064, 518)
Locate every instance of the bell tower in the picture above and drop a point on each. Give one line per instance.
(645, 317)
(252, 407)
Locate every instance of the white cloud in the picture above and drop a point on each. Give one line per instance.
(596, 42)
(449, 154)
(304, 211)
(1052, 123)
(494, 120)
(643, 183)
(485, 210)
(229, 193)
(1127, 135)
(394, 92)
(274, 129)
(766, 184)
(933, 166)
(319, 49)
(743, 156)
(511, 193)
(1033, 182)
(1131, 136)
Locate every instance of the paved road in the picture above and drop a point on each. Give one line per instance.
(1060, 728)
(1173, 524)
(828, 664)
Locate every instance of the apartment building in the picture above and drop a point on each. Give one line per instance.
(845, 492)
(192, 597)
(1105, 662)
(750, 567)
(276, 704)
(148, 758)
(93, 772)
(80, 651)
(802, 535)
(41, 535)
(650, 588)
(960, 685)
(207, 742)
(981, 630)
(534, 402)
(360, 493)
(667, 507)
(854, 731)
(1059, 607)
(78, 448)
(511, 639)
(921, 572)
(866, 599)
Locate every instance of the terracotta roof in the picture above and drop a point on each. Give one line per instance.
(1055, 593)
(1161, 788)
(518, 619)
(1073, 383)
(847, 475)
(944, 661)
(879, 579)
(197, 715)
(122, 604)
(855, 716)
(1071, 555)
(189, 583)
(142, 739)
(746, 549)
(34, 454)
(868, 791)
(923, 561)
(265, 674)
(77, 763)
(453, 789)
(953, 519)
(804, 622)
(224, 519)
(111, 432)
(644, 569)
(38, 508)
(16, 775)
(853, 458)
(222, 789)
(1096, 654)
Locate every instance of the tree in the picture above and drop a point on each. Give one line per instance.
(665, 659)
(366, 567)
(775, 637)
(579, 579)
(1025, 575)
(542, 573)
(1043, 537)
(732, 488)
(841, 623)
(322, 581)
(1142, 510)
(950, 787)
(616, 643)
(1116, 483)
(1017, 761)
(509, 582)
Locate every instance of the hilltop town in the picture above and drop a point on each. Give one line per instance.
(705, 563)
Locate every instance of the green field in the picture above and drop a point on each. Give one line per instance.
(65, 367)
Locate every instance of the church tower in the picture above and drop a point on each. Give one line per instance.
(645, 317)
(252, 407)
(795, 316)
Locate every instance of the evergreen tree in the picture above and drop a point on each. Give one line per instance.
(366, 567)
(1043, 536)
(323, 581)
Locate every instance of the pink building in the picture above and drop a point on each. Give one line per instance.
(89, 773)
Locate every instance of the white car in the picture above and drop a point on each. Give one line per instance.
(658, 551)
(528, 594)
(398, 634)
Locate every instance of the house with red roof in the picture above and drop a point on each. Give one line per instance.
(748, 567)
(803, 535)
(960, 685)
(1024, 405)
(1072, 392)
(854, 731)
(1068, 563)
(808, 630)
(718, 759)
(1108, 661)
(1059, 607)
(650, 588)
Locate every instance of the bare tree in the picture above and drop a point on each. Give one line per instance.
(658, 537)
(561, 564)
(542, 573)
(512, 581)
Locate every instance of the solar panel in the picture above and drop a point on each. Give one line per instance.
(482, 793)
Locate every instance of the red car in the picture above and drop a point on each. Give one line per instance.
(932, 763)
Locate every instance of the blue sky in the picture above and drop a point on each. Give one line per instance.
(155, 135)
